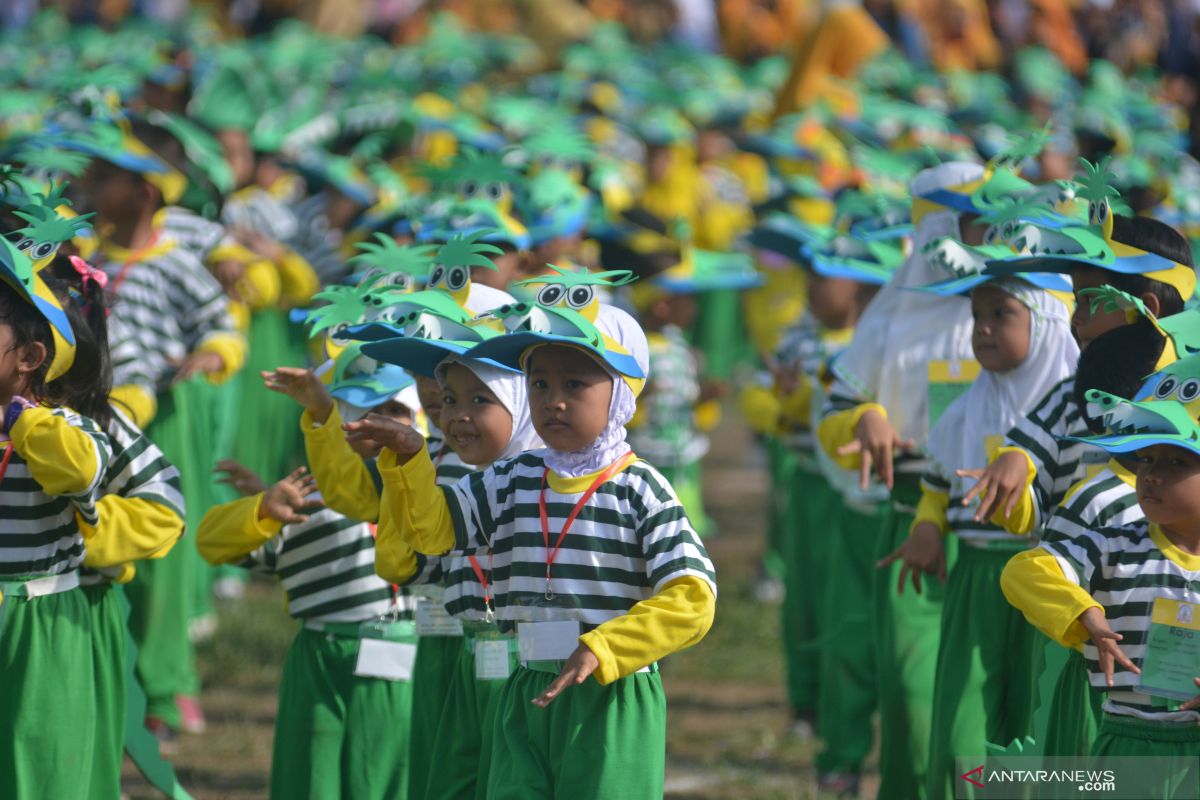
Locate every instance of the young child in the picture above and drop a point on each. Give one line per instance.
(345, 694)
(631, 585)
(484, 415)
(1124, 593)
(53, 461)
(1022, 340)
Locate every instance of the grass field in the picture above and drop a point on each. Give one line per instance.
(727, 714)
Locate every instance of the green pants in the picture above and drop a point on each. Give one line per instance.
(907, 633)
(719, 332)
(808, 532)
(984, 669)
(47, 697)
(433, 672)
(596, 742)
(848, 661)
(1180, 743)
(462, 753)
(782, 464)
(108, 660)
(1075, 713)
(338, 735)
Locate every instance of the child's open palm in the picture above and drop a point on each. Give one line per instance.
(303, 386)
(288, 499)
(922, 552)
(403, 440)
(1105, 639)
(999, 485)
(875, 440)
(578, 667)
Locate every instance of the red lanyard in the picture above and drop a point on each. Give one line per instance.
(8, 451)
(488, 613)
(134, 258)
(602, 478)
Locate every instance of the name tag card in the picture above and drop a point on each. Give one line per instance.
(947, 380)
(1172, 650)
(392, 661)
(491, 660)
(547, 641)
(432, 619)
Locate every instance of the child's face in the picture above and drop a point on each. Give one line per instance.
(675, 309)
(833, 301)
(391, 409)
(476, 424)
(1086, 324)
(569, 397)
(1168, 486)
(239, 154)
(113, 193)
(1000, 338)
(430, 395)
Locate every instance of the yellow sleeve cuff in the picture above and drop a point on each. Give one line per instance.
(761, 409)
(838, 430)
(231, 347)
(1033, 582)
(62, 459)
(1023, 518)
(417, 504)
(677, 617)
(231, 531)
(129, 529)
(299, 280)
(260, 285)
(932, 508)
(140, 403)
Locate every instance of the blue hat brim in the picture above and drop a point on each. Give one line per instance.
(373, 332)
(127, 161)
(1124, 265)
(421, 356)
(1135, 442)
(366, 397)
(1050, 281)
(507, 351)
(724, 282)
(954, 200)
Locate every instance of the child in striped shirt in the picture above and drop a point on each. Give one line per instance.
(1022, 340)
(346, 692)
(1125, 592)
(52, 462)
(612, 579)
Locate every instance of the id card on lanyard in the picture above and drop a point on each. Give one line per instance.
(1172, 657)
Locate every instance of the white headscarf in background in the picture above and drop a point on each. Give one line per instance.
(510, 389)
(611, 444)
(995, 401)
(902, 330)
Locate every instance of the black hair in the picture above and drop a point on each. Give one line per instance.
(86, 386)
(1117, 362)
(1161, 239)
(28, 326)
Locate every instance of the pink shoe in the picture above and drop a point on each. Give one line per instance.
(191, 718)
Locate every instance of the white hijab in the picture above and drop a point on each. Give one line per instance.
(902, 330)
(610, 444)
(510, 389)
(996, 400)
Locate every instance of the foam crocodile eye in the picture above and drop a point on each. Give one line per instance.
(43, 250)
(550, 295)
(25, 244)
(399, 280)
(1166, 388)
(457, 278)
(494, 191)
(468, 188)
(338, 334)
(435, 278)
(580, 296)
(1190, 390)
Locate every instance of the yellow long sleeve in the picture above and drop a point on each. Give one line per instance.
(675, 618)
(137, 401)
(62, 458)
(231, 531)
(932, 508)
(1023, 518)
(395, 560)
(231, 347)
(419, 508)
(344, 480)
(1035, 584)
(129, 529)
(837, 430)
(299, 280)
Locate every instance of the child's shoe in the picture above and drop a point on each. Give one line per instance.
(837, 784)
(191, 718)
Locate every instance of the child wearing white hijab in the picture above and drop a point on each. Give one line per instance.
(1022, 340)
(594, 563)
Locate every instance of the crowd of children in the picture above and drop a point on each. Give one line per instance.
(435, 336)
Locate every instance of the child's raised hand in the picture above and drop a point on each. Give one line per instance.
(579, 666)
(1105, 639)
(1195, 701)
(303, 386)
(922, 551)
(239, 476)
(286, 500)
(876, 440)
(201, 362)
(401, 439)
(1000, 484)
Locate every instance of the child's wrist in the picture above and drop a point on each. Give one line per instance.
(13, 411)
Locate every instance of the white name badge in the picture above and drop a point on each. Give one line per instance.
(547, 641)
(491, 660)
(392, 661)
(432, 619)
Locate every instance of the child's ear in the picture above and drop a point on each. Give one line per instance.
(30, 357)
(1152, 303)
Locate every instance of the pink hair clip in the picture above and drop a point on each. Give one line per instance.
(89, 272)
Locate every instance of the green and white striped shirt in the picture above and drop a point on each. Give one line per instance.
(462, 593)
(39, 534)
(1124, 569)
(629, 540)
(1101, 501)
